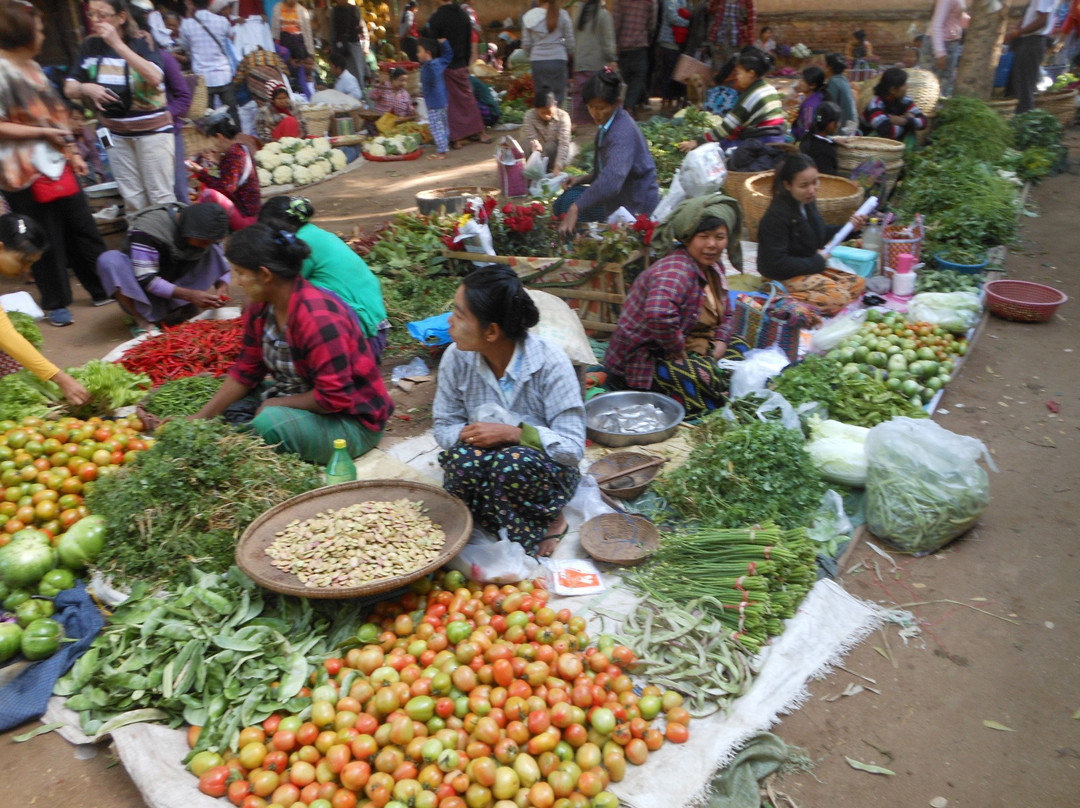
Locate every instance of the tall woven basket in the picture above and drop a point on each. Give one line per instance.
(1061, 104)
(735, 186)
(1005, 107)
(837, 199)
(856, 150)
(923, 88)
(316, 119)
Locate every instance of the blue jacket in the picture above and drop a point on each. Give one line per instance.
(431, 78)
(625, 173)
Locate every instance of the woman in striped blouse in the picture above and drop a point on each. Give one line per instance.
(759, 112)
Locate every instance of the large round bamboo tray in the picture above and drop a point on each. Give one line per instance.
(448, 512)
(1061, 104)
(1005, 107)
(620, 538)
(837, 199)
(855, 150)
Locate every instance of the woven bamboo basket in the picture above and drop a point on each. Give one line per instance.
(1061, 104)
(194, 140)
(317, 119)
(735, 185)
(1005, 107)
(199, 98)
(629, 486)
(923, 88)
(620, 538)
(856, 150)
(837, 199)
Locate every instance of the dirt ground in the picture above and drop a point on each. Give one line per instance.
(999, 610)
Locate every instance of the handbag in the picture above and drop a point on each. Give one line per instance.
(761, 325)
(45, 189)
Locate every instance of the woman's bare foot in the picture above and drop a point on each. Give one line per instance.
(457, 144)
(437, 156)
(556, 530)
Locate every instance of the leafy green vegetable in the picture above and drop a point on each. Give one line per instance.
(969, 129)
(110, 385)
(947, 280)
(21, 396)
(25, 325)
(745, 474)
(1036, 127)
(812, 379)
(189, 497)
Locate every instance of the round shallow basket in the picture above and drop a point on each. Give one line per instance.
(837, 199)
(1023, 301)
(1060, 103)
(629, 486)
(450, 200)
(448, 512)
(857, 150)
(597, 406)
(1005, 107)
(620, 538)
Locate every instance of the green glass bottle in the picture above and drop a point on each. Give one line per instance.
(340, 469)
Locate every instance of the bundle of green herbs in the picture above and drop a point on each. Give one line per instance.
(26, 326)
(968, 129)
(188, 498)
(745, 474)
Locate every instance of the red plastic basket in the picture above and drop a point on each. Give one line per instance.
(1023, 301)
(393, 158)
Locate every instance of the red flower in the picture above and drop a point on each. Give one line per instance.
(538, 207)
(508, 208)
(449, 241)
(489, 204)
(526, 224)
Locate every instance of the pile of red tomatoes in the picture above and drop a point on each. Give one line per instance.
(459, 697)
(47, 467)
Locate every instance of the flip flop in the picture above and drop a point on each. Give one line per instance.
(138, 331)
(557, 536)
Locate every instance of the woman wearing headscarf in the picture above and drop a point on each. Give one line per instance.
(171, 266)
(278, 117)
(676, 321)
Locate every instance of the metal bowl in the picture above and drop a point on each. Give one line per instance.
(599, 405)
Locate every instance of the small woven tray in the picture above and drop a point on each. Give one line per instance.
(629, 486)
(393, 158)
(448, 512)
(620, 538)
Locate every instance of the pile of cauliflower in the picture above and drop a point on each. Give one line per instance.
(390, 146)
(297, 161)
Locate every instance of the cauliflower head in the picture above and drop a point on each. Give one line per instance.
(318, 170)
(337, 159)
(323, 165)
(268, 160)
(290, 144)
(376, 149)
(306, 156)
(272, 147)
(301, 175)
(282, 175)
(321, 145)
(265, 177)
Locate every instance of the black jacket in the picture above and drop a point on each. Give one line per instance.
(788, 242)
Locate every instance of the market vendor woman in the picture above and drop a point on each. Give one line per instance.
(508, 413)
(326, 384)
(676, 321)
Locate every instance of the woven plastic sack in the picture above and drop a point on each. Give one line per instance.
(924, 486)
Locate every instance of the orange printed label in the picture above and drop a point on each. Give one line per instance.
(577, 579)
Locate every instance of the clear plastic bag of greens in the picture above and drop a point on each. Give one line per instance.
(924, 484)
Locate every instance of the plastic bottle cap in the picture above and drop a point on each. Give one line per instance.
(339, 443)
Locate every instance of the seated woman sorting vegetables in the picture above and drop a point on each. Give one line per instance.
(676, 321)
(333, 265)
(22, 241)
(326, 384)
(792, 238)
(171, 266)
(508, 413)
(759, 113)
(235, 186)
(624, 174)
(890, 112)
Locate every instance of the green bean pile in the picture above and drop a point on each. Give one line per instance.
(750, 579)
(184, 396)
(686, 649)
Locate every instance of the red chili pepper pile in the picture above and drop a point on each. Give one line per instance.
(197, 346)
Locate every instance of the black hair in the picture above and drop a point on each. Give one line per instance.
(859, 34)
(588, 12)
(397, 72)
(286, 212)
(826, 113)
(603, 84)
(837, 63)
(497, 295)
(755, 60)
(22, 234)
(792, 165)
(17, 29)
(282, 90)
(201, 4)
(222, 124)
(339, 61)
(710, 223)
(764, 28)
(544, 97)
(430, 45)
(280, 251)
(121, 7)
(892, 77)
(725, 70)
(814, 76)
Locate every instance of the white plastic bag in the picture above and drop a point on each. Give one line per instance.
(770, 401)
(753, 371)
(703, 170)
(498, 562)
(535, 166)
(957, 312)
(924, 486)
(837, 330)
(560, 324)
(548, 185)
(671, 200)
(839, 452)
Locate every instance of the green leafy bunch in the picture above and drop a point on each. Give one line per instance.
(969, 129)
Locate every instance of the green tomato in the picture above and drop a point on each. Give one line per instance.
(420, 708)
(41, 638)
(10, 640)
(602, 720)
(649, 707)
(33, 609)
(16, 597)
(458, 631)
(878, 359)
(366, 634)
(55, 581)
(861, 353)
(910, 388)
(453, 580)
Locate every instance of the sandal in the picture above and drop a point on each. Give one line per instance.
(138, 331)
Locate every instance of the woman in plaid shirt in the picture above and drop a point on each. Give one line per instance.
(392, 96)
(326, 384)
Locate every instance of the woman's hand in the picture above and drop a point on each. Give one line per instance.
(72, 390)
(59, 138)
(688, 146)
(569, 221)
(719, 348)
(899, 120)
(108, 32)
(100, 96)
(78, 165)
(575, 180)
(535, 145)
(487, 435)
(858, 221)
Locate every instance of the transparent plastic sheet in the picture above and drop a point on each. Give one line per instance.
(751, 373)
(832, 333)
(500, 561)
